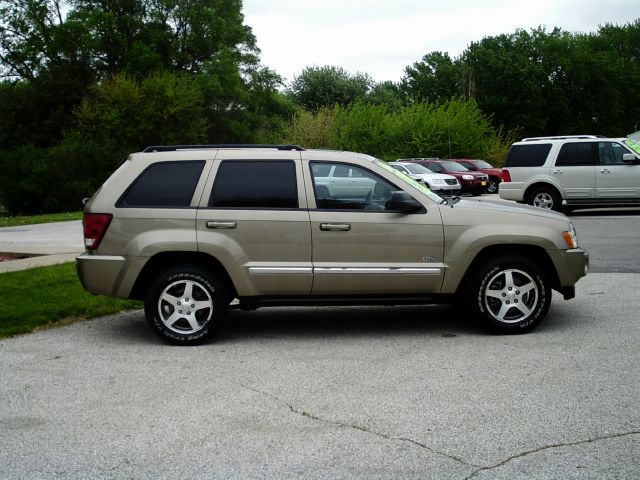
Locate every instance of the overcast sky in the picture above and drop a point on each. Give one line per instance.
(382, 37)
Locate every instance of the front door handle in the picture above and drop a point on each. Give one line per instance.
(335, 227)
(605, 170)
(221, 225)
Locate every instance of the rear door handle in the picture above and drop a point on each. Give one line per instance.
(559, 172)
(221, 225)
(605, 170)
(335, 227)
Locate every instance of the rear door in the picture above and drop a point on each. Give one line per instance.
(254, 220)
(575, 169)
(614, 178)
(361, 247)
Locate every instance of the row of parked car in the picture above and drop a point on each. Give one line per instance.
(452, 177)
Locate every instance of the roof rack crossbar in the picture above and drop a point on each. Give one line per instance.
(173, 148)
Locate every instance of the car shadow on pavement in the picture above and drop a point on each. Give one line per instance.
(308, 323)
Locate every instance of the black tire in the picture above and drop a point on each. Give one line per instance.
(545, 198)
(509, 295)
(184, 304)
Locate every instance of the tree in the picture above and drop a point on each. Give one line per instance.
(434, 79)
(318, 87)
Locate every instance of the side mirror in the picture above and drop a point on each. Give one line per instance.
(630, 158)
(401, 201)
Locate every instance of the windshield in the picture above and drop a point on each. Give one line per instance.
(632, 145)
(416, 168)
(453, 167)
(483, 164)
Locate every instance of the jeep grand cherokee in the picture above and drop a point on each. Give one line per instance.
(190, 229)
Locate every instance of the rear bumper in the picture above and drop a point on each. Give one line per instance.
(511, 191)
(104, 274)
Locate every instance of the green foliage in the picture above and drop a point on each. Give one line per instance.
(454, 129)
(318, 87)
(39, 180)
(434, 79)
(60, 298)
(122, 114)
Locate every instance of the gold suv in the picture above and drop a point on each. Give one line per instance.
(190, 229)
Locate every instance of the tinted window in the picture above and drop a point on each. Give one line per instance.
(527, 155)
(576, 154)
(165, 184)
(247, 184)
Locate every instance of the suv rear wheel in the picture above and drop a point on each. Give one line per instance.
(184, 304)
(511, 295)
(545, 197)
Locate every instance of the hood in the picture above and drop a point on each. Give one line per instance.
(434, 176)
(508, 207)
(493, 171)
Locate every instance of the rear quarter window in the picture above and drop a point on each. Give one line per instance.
(527, 155)
(163, 184)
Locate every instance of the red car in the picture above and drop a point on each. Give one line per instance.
(470, 182)
(482, 166)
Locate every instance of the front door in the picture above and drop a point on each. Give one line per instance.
(361, 247)
(614, 178)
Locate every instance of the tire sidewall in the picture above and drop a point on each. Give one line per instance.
(541, 308)
(214, 287)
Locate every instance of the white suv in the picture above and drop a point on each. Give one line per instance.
(572, 172)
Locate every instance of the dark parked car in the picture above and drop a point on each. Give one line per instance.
(470, 182)
(482, 166)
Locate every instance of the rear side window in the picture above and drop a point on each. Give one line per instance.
(252, 184)
(163, 184)
(576, 154)
(527, 155)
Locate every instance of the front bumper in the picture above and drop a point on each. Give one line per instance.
(571, 266)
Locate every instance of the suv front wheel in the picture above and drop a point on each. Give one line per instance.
(184, 304)
(511, 295)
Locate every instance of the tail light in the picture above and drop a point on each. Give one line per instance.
(95, 226)
(506, 176)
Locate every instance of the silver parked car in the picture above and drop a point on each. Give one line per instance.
(440, 183)
(564, 173)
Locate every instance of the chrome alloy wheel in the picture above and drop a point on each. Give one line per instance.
(511, 296)
(543, 200)
(185, 307)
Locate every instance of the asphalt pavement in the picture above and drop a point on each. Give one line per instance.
(352, 392)
(403, 392)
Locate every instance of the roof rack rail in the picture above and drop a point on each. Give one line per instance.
(562, 137)
(173, 148)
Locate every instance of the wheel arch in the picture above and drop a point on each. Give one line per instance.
(540, 184)
(532, 252)
(164, 260)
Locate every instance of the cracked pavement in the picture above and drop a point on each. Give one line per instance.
(378, 392)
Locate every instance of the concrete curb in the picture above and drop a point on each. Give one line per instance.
(35, 262)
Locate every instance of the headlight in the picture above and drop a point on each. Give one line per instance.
(570, 237)
(467, 177)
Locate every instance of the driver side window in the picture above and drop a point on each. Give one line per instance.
(339, 186)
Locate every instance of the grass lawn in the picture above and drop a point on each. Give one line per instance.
(43, 297)
(44, 218)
